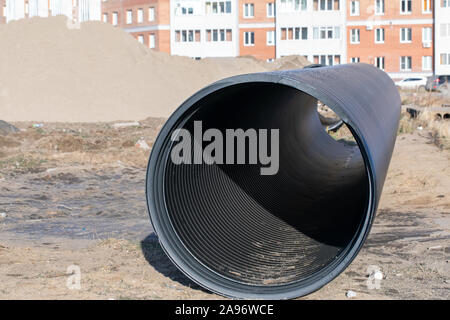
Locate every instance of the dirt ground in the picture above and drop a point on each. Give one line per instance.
(74, 195)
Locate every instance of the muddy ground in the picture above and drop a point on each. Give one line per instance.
(74, 194)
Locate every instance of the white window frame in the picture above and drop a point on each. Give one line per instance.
(247, 36)
(354, 60)
(426, 3)
(151, 40)
(444, 59)
(293, 5)
(406, 40)
(105, 17)
(427, 66)
(445, 4)
(115, 18)
(326, 7)
(270, 9)
(140, 38)
(427, 35)
(358, 33)
(407, 58)
(129, 19)
(379, 7)
(270, 38)
(151, 13)
(140, 15)
(354, 5)
(249, 10)
(379, 65)
(383, 35)
(406, 6)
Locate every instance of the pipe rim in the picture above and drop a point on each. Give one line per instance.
(180, 255)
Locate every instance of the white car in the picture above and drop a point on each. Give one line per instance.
(412, 83)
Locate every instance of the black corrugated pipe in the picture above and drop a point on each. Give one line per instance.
(287, 232)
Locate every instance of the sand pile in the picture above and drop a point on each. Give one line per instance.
(49, 72)
(289, 62)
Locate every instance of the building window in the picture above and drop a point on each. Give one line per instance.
(405, 63)
(405, 35)
(327, 60)
(326, 32)
(427, 36)
(304, 31)
(115, 18)
(426, 63)
(426, 6)
(299, 33)
(354, 36)
(105, 17)
(249, 38)
(183, 8)
(326, 5)
(405, 6)
(445, 3)
(151, 41)
(354, 60)
(445, 29)
(379, 62)
(379, 7)
(293, 5)
(140, 15)
(270, 10)
(185, 36)
(129, 16)
(249, 10)
(215, 35)
(151, 14)
(379, 35)
(354, 8)
(270, 36)
(445, 58)
(218, 7)
(141, 38)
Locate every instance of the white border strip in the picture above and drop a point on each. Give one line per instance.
(376, 22)
(256, 25)
(148, 28)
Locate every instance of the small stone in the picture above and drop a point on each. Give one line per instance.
(350, 294)
(377, 275)
(142, 144)
(7, 128)
(2, 214)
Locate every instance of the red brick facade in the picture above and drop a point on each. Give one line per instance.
(392, 49)
(150, 18)
(260, 24)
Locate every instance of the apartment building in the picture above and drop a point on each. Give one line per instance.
(77, 10)
(403, 37)
(202, 28)
(257, 36)
(147, 20)
(394, 35)
(442, 37)
(312, 28)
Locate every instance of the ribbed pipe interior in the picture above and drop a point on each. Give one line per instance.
(268, 229)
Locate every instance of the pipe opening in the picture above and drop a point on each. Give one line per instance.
(268, 230)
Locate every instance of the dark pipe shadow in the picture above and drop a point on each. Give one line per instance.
(158, 259)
